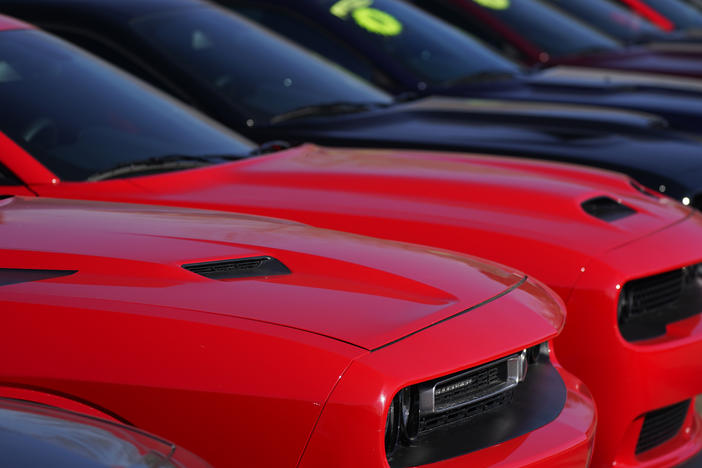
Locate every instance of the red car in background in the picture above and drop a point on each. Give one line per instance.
(667, 14)
(260, 342)
(624, 259)
(538, 34)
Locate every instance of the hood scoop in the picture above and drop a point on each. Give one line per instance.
(15, 275)
(239, 268)
(607, 209)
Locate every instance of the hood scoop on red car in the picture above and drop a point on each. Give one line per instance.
(607, 209)
(239, 268)
(20, 275)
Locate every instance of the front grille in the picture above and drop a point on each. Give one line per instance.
(649, 296)
(469, 387)
(430, 422)
(647, 305)
(459, 397)
(661, 425)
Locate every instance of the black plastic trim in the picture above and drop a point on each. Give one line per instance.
(250, 267)
(17, 275)
(607, 209)
(535, 402)
(653, 323)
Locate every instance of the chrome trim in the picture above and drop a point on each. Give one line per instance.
(516, 373)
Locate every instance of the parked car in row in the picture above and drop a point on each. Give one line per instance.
(599, 239)
(261, 342)
(544, 36)
(34, 435)
(283, 92)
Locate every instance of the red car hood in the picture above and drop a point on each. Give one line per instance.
(358, 190)
(363, 291)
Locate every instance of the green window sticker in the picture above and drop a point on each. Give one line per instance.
(371, 19)
(494, 4)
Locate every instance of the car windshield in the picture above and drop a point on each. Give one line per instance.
(553, 32)
(79, 116)
(250, 66)
(684, 16)
(432, 50)
(612, 19)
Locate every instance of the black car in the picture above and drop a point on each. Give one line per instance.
(269, 89)
(429, 56)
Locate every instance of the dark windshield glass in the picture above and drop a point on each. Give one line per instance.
(612, 19)
(78, 116)
(434, 51)
(250, 66)
(552, 31)
(684, 16)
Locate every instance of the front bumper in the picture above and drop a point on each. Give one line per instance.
(631, 379)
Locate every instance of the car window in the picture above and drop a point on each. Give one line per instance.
(456, 15)
(552, 31)
(432, 50)
(250, 66)
(7, 178)
(106, 51)
(683, 15)
(614, 20)
(308, 34)
(79, 116)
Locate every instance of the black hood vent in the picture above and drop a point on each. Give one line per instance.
(16, 275)
(607, 209)
(239, 268)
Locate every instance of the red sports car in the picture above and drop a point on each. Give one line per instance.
(624, 259)
(260, 342)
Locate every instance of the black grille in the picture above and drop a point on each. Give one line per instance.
(647, 305)
(661, 425)
(459, 415)
(239, 268)
(469, 386)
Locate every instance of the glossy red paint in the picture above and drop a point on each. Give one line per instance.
(524, 213)
(249, 372)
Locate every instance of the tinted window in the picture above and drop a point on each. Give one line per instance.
(552, 31)
(434, 51)
(683, 15)
(614, 20)
(308, 34)
(79, 116)
(7, 178)
(250, 66)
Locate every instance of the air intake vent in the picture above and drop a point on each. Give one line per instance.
(647, 305)
(14, 275)
(661, 425)
(239, 268)
(607, 209)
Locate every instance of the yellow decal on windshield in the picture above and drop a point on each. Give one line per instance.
(370, 19)
(494, 4)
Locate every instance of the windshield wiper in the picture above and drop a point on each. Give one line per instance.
(341, 107)
(170, 162)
